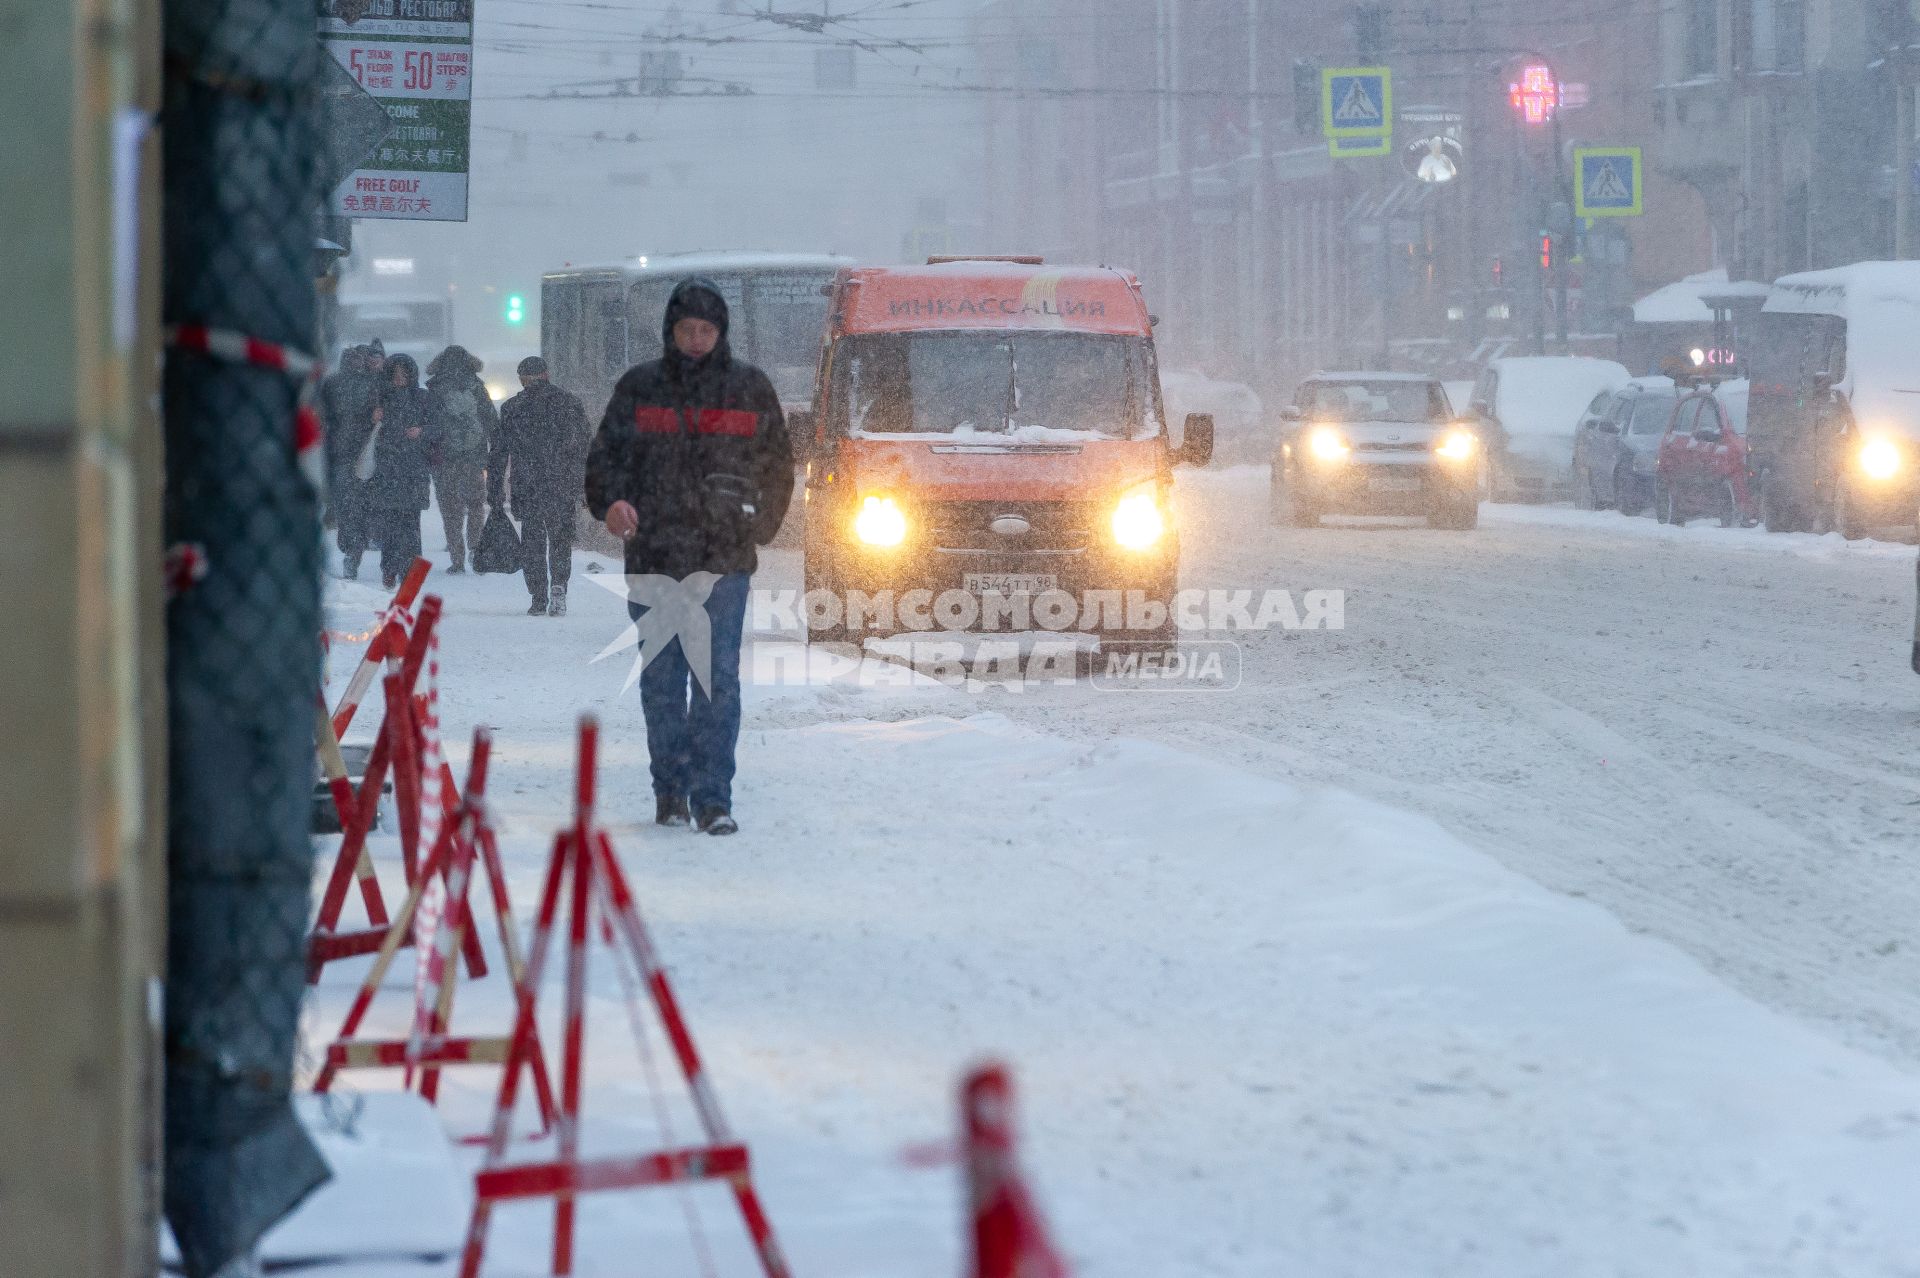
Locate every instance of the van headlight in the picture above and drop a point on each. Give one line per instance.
(1457, 445)
(1326, 444)
(1138, 521)
(880, 521)
(1880, 459)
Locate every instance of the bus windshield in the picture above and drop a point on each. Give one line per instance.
(776, 321)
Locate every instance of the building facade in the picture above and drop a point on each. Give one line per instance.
(1268, 257)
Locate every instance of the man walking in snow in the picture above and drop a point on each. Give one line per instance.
(466, 420)
(539, 453)
(693, 470)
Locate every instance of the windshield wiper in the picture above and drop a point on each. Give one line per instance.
(1013, 388)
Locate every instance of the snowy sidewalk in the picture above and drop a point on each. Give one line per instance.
(1259, 1029)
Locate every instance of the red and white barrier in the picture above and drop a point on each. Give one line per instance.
(1009, 1236)
(397, 750)
(465, 837)
(388, 644)
(584, 869)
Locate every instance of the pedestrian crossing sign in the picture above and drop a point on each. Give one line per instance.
(1356, 102)
(1608, 181)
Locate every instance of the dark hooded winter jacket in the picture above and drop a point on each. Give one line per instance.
(700, 448)
(347, 397)
(400, 464)
(542, 447)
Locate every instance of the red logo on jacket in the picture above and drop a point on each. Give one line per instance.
(652, 420)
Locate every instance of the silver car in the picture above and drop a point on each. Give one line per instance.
(1375, 444)
(1617, 443)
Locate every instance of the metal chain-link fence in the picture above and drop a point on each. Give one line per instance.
(240, 133)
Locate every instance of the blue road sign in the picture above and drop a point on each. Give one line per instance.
(1608, 181)
(1356, 102)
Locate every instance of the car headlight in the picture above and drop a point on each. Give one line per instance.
(1457, 445)
(880, 522)
(1138, 521)
(1880, 459)
(1327, 444)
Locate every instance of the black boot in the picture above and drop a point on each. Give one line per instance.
(717, 820)
(557, 604)
(538, 608)
(669, 809)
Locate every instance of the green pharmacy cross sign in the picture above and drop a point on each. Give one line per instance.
(415, 59)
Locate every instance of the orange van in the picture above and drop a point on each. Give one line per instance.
(988, 452)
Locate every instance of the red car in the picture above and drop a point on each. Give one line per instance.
(1702, 463)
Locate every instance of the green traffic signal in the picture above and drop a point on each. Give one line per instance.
(516, 309)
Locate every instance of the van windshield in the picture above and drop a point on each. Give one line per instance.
(1382, 401)
(1027, 386)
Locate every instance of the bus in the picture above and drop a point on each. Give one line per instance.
(420, 325)
(597, 322)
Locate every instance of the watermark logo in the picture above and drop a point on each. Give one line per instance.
(1110, 639)
(675, 609)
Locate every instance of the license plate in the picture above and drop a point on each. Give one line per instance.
(1394, 484)
(1011, 583)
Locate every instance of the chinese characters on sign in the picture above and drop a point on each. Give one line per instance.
(415, 57)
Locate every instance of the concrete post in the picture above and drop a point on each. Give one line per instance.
(81, 765)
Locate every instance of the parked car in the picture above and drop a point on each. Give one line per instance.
(1374, 444)
(1702, 460)
(1528, 407)
(1617, 444)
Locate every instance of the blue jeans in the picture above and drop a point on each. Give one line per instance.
(691, 732)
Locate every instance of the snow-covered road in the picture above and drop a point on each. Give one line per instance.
(1266, 1026)
(1707, 731)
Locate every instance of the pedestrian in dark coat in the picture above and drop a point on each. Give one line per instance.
(402, 457)
(540, 455)
(693, 469)
(467, 420)
(347, 398)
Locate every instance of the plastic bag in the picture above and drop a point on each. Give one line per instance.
(499, 547)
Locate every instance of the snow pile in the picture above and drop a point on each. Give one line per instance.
(1242, 434)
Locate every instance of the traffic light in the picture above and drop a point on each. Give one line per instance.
(516, 309)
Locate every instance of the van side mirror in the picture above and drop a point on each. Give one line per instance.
(800, 429)
(1196, 442)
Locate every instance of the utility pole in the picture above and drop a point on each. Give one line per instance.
(1897, 63)
(1561, 213)
(1470, 196)
(1257, 243)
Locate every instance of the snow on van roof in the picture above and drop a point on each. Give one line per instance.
(708, 263)
(1880, 301)
(1835, 290)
